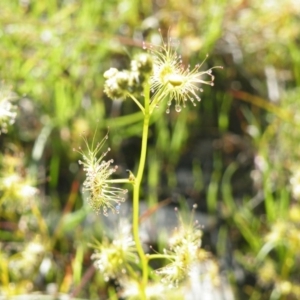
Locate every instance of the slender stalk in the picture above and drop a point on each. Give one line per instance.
(121, 180)
(136, 193)
(137, 103)
(161, 256)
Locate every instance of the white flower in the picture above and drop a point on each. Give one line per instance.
(112, 258)
(171, 81)
(102, 195)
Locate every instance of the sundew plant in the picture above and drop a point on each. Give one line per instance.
(121, 224)
(156, 78)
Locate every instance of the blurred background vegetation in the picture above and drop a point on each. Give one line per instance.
(236, 154)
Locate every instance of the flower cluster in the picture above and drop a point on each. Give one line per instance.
(16, 185)
(286, 232)
(113, 258)
(154, 291)
(171, 81)
(102, 195)
(27, 261)
(267, 273)
(184, 250)
(121, 84)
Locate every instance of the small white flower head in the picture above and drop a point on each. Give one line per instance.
(285, 232)
(267, 273)
(141, 68)
(27, 261)
(185, 244)
(116, 84)
(102, 195)
(171, 81)
(175, 272)
(131, 290)
(7, 109)
(16, 184)
(278, 233)
(112, 258)
(186, 233)
(122, 84)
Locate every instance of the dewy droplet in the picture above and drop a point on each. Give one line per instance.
(178, 108)
(168, 111)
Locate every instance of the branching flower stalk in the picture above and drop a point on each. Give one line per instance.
(161, 77)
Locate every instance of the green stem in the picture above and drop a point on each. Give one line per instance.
(137, 103)
(136, 194)
(161, 256)
(125, 180)
(156, 100)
